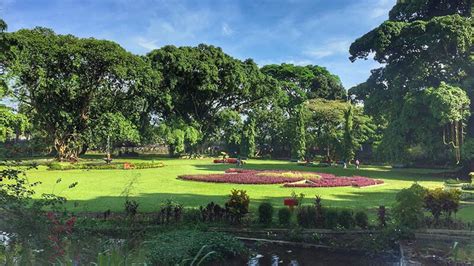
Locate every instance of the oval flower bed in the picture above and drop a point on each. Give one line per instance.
(288, 178)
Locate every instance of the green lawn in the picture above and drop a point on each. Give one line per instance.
(100, 190)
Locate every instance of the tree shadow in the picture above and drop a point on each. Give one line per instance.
(151, 202)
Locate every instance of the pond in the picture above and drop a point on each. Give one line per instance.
(276, 254)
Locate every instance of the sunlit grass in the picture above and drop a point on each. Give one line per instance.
(101, 190)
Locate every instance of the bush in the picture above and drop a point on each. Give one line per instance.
(176, 247)
(238, 205)
(306, 216)
(346, 219)
(131, 207)
(467, 187)
(408, 209)
(102, 166)
(439, 201)
(284, 216)
(452, 181)
(265, 213)
(382, 216)
(192, 216)
(361, 219)
(331, 218)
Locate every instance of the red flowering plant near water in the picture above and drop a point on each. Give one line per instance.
(60, 229)
(287, 178)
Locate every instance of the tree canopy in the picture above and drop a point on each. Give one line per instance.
(67, 83)
(422, 45)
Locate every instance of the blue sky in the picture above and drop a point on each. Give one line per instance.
(269, 31)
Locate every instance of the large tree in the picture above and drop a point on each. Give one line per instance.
(306, 82)
(66, 84)
(424, 43)
(203, 82)
(337, 128)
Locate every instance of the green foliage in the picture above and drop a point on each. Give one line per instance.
(284, 216)
(346, 219)
(299, 135)
(25, 219)
(192, 216)
(331, 218)
(113, 126)
(361, 219)
(467, 150)
(102, 166)
(238, 204)
(11, 124)
(68, 83)
(468, 187)
(439, 201)
(172, 248)
(203, 81)
(305, 216)
(327, 118)
(179, 136)
(426, 49)
(248, 149)
(131, 207)
(408, 209)
(265, 213)
(306, 82)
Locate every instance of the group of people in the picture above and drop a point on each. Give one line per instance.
(357, 163)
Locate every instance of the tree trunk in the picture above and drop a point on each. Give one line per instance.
(66, 148)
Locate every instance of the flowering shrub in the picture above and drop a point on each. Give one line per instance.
(228, 160)
(333, 181)
(59, 232)
(288, 178)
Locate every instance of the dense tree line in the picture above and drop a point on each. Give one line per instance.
(80, 94)
(77, 94)
(421, 95)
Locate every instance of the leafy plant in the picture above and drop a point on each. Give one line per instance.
(346, 219)
(361, 219)
(175, 247)
(238, 204)
(284, 216)
(131, 207)
(438, 201)
(331, 218)
(265, 213)
(306, 216)
(408, 209)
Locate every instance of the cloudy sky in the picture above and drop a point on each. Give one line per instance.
(269, 31)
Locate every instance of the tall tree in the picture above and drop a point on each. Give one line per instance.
(68, 83)
(203, 81)
(299, 133)
(306, 82)
(248, 148)
(423, 44)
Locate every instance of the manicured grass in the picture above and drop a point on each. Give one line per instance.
(100, 190)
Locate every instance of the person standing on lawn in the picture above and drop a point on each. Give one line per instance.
(357, 163)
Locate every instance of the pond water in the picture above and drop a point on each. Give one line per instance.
(273, 255)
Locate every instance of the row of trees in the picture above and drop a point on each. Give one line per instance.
(76, 94)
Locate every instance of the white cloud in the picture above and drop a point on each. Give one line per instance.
(147, 44)
(334, 47)
(226, 30)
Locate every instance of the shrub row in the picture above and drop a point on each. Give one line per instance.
(104, 166)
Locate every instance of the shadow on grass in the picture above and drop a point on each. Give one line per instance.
(151, 202)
